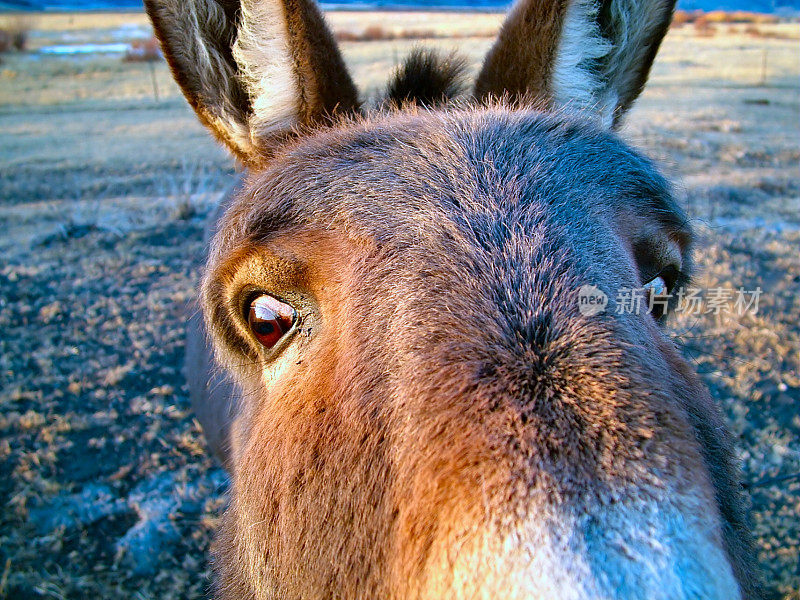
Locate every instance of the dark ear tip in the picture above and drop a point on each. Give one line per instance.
(427, 78)
(151, 6)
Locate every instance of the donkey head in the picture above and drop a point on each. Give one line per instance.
(422, 409)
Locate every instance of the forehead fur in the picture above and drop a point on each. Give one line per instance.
(524, 207)
(409, 178)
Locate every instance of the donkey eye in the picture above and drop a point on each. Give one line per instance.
(270, 319)
(658, 291)
(657, 286)
(664, 281)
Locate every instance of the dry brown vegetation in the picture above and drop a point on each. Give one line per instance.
(147, 50)
(703, 27)
(721, 16)
(377, 32)
(14, 33)
(682, 17)
(374, 33)
(105, 486)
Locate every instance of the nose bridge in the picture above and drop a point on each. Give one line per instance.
(554, 406)
(502, 365)
(550, 455)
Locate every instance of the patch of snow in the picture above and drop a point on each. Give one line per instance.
(72, 49)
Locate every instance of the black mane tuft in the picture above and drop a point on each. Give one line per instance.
(427, 79)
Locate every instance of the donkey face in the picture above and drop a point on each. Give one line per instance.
(421, 410)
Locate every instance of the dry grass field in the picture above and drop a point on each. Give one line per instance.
(105, 489)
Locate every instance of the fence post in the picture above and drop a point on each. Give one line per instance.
(153, 79)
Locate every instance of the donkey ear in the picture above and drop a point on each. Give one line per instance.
(253, 69)
(589, 54)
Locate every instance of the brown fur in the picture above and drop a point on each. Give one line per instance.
(519, 63)
(202, 63)
(629, 73)
(442, 396)
(481, 429)
(324, 82)
(717, 446)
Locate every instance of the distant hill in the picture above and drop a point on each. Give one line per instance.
(764, 6)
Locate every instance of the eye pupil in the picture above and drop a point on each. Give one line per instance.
(263, 328)
(269, 319)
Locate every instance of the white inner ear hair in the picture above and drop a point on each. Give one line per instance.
(577, 80)
(634, 27)
(212, 68)
(265, 60)
(580, 78)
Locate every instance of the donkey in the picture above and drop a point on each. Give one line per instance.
(420, 408)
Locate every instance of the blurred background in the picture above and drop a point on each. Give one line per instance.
(106, 179)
